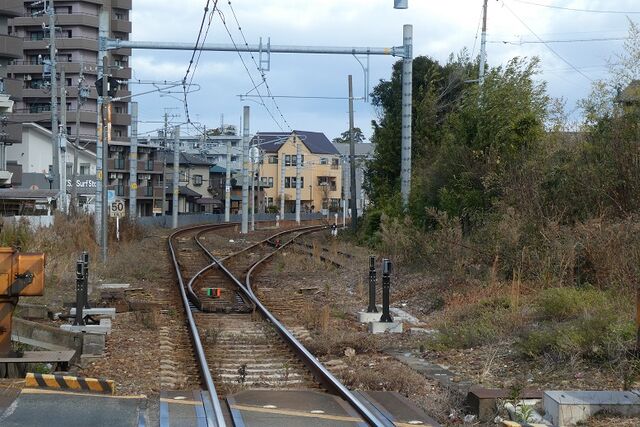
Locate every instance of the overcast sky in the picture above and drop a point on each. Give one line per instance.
(440, 28)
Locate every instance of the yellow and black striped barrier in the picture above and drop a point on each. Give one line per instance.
(68, 382)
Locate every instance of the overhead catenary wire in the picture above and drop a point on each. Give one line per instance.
(475, 40)
(587, 40)
(574, 9)
(244, 64)
(260, 70)
(552, 50)
(197, 47)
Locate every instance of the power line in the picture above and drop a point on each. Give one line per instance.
(244, 64)
(264, 77)
(196, 48)
(522, 42)
(475, 40)
(546, 44)
(572, 9)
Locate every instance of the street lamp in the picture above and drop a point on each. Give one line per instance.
(400, 4)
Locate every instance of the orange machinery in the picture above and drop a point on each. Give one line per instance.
(21, 275)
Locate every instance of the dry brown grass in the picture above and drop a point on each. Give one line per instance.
(133, 258)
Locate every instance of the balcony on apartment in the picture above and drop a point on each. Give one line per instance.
(10, 46)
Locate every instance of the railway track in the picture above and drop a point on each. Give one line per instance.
(238, 343)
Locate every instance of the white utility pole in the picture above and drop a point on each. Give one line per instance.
(483, 43)
(245, 178)
(227, 185)
(176, 176)
(82, 94)
(282, 197)
(352, 162)
(254, 167)
(164, 166)
(407, 100)
(104, 19)
(103, 176)
(62, 142)
(298, 167)
(133, 165)
(50, 10)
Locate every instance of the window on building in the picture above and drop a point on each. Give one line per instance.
(273, 160)
(117, 133)
(39, 107)
(335, 163)
(287, 160)
(324, 161)
(85, 169)
(119, 109)
(183, 176)
(287, 182)
(69, 33)
(197, 179)
(36, 35)
(270, 181)
(269, 201)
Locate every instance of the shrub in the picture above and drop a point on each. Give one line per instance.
(578, 323)
(475, 325)
(568, 303)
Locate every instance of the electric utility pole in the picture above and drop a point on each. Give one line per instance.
(298, 166)
(50, 11)
(104, 172)
(83, 93)
(133, 165)
(352, 162)
(164, 164)
(282, 195)
(62, 142)
(407, 101)
(176, 177)
(245, 177)
(253, 188)
(101, 140)
(483, 43)
(227, 185)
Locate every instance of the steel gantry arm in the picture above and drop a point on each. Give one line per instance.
(405, 52)
(110, 44)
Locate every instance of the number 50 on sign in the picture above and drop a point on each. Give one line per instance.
(117, 209)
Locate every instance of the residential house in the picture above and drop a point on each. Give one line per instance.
(195, 193)
(320, 175)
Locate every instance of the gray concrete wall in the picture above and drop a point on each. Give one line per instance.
(184, 220)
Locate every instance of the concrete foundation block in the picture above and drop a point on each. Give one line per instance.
(567, 408)
(32, 311)
(382, 327)
(93, 344)
(98, 312)
(364, 317)
(103, 328)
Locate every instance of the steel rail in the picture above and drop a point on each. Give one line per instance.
(217, 418)
(320, 372)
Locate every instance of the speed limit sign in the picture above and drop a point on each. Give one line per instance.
(117, 209)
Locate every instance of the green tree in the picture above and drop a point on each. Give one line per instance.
(436, 92)
(345, 137)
